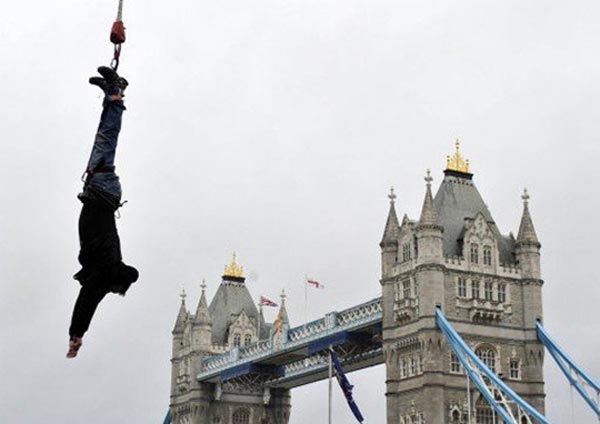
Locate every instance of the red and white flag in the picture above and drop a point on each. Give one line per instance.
(315, 283)
(267, 302)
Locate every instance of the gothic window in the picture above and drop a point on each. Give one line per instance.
(475, 289)
(216, 419)
(487, 255)
(420, 364)
(462, 287)
(406, 289)
(455, 417)
(414, 367)
(406, 252)
(236, 340)
(404, 369)
(247, 339)
(474, 253)
(515, 369)
(488, 290)
(484, 414)
(487, 356)
(240, 416)
(455, 366)
(501, 293)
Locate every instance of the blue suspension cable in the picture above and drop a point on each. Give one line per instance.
(462, 351)
(569, 367)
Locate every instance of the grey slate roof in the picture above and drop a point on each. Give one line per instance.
(231, 298)
(457, 199)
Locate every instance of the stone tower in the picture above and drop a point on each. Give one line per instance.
(488, 285)
(232, 320)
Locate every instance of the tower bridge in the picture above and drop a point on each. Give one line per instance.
(229, 366)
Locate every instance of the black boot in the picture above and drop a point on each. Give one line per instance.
(111, 83)
(100, 82)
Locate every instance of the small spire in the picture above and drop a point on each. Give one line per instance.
(428, 214)
(527, 232)
(392, 196)
(282, 315)
(525, 196)
(182, 315)
(428, 178)
(202, 313)
(390, 233)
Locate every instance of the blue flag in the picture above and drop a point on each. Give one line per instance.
(345, 386)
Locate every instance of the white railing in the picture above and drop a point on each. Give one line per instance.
(333, 322)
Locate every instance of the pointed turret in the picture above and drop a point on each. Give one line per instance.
(390, 234)
(231, 298)
(429, 216)
(282, 315)
(429, 231)
(182, 316)
(389, 242)
(202, 312)
(526, 230)
(528, 246)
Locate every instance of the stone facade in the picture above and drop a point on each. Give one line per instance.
(454, 257)
(487, 284)
(232, 320)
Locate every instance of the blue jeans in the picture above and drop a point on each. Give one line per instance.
(102, 179)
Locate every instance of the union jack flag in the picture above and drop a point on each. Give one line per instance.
(315, 283)
(267, 302)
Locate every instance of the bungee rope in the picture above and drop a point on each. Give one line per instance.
(117, 37)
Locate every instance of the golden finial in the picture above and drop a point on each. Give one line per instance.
(456, 162)
(233, 269)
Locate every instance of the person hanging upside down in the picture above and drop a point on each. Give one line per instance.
(102, 268)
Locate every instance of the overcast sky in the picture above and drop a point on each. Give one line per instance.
(275, 129)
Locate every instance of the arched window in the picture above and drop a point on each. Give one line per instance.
(515, 369)
(487, 255)
(404, 369)
(474, 253)
(240, 416)
(475, 289)
(502, 293)
(247, 339)
(236, 340)
(455, 417)
(488, 356)
(488, 290)
(484, 414)
(216, 419)
(406, 289)
(455, 366)
(413, 365)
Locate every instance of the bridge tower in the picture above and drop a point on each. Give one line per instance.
(488, 285)
(231, 321)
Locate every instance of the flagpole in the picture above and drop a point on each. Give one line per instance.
(305, 298)
(468, 398)
(258, 321)
(330, 378)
